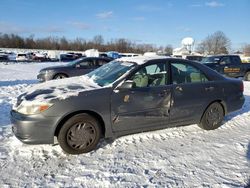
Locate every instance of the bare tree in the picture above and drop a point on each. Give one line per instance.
(246, 50)
(217, 43)
(168, 50)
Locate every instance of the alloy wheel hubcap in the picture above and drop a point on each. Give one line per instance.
(60, 77)
(81, 135)
(213, 116)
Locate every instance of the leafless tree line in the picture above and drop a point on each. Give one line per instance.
(246, 49)
(78, 44)
(219, 43)
(216, 43)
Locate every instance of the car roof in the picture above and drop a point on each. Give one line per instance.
(141, 59)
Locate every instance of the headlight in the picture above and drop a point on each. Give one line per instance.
(29, 108)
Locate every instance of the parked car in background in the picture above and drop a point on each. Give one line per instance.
(22, 57)
(103, 55)
(125, 96)
(75, 68)
(70, 56)
(53, 55)
(229, 65)
(11, 56)
(113, 54)
(197, 58)
(3, 56)
(128, 55)
(40, 57)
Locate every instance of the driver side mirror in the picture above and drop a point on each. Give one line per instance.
(78, 66)
(126, 85)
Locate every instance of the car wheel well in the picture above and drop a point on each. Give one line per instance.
(60, 74)
(93, 114)
(222, 103)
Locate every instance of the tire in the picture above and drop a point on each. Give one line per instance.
(59, 76)
(80, 134)
(212, 117)
(247, 76)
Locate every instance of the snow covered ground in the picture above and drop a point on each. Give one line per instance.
(177, 157)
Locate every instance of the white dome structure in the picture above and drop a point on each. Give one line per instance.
(188, 43)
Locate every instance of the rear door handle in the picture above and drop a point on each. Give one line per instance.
(209, 88)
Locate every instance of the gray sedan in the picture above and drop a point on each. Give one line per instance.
(125, 96)
(78, 67)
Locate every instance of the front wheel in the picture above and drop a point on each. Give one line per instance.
(60, 76)
(247, 76)
(212, 117)
(80, 134)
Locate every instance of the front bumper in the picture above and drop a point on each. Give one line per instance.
(33, 129)
(42, 77)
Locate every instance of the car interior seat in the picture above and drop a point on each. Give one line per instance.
(140, 78)
(177, 76)
(195, 77)
(160, 80)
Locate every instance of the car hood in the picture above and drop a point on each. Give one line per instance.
(58, 89)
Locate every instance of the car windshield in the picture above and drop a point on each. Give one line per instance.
(76, 61)
(110, 72)
(210, 60)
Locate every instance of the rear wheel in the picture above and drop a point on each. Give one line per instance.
(213, 117)
(60, 76)
(247, 76)
(80, 134)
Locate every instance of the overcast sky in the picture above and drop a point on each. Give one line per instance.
(159, 22)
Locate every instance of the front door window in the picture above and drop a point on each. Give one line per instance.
(150, 76)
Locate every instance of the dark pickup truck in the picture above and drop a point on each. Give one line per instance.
(229, 65)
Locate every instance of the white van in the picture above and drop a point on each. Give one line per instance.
(22, 57)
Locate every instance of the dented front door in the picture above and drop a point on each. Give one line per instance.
(140, 107)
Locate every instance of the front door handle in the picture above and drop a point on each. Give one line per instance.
(179, 88)
(163, 93)
(209, 88)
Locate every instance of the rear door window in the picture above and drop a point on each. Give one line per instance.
(185, 73)
(87, 63)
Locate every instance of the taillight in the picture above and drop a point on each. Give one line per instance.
(242, 87)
